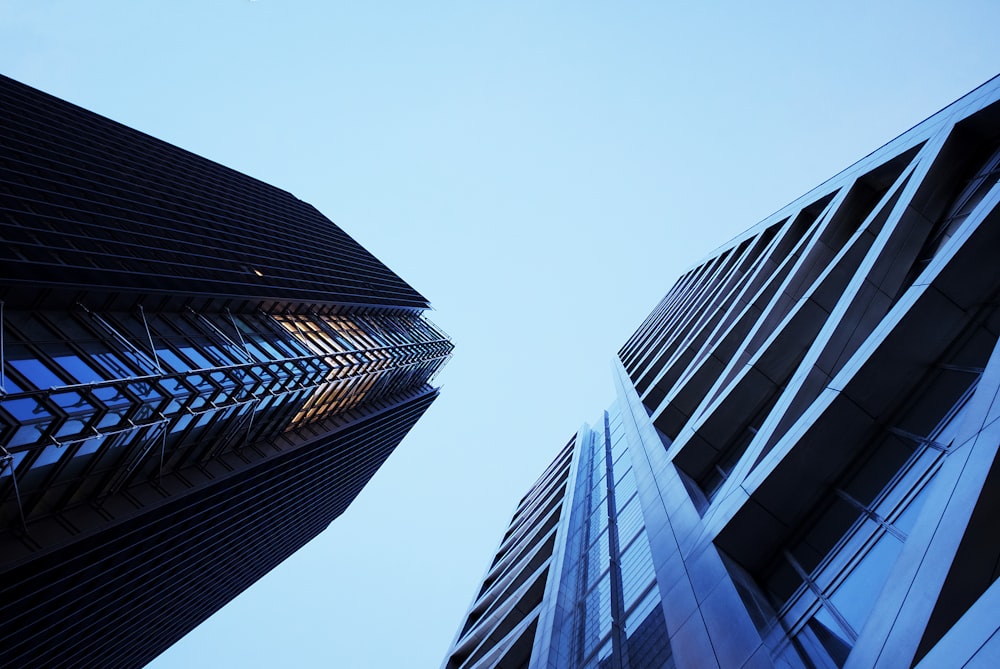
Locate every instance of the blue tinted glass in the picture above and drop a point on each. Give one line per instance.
(70, 427)
(77, 368)
(908, 517)
(648, 603)
(831, 636)
(111, 419)
(14, 462)
(855, 597)
(181, 423)
(49, 455)
(27, 434)
(195, 356)
(110, 396)
(622, 470)
(626, 488)
(38, 374)
(637, 570)
(630, 521)
(172, 360)
(26, 409)
(598, 557)
(113, 364)
(90, 446)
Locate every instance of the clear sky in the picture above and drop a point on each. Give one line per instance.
(541, 171)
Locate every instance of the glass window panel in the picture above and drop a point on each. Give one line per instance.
(37, 373)
(626, 488)
(173, 361)
(623, 469)
(641, 610)
(70, 427)
(908, 517)
(260, 350)
(77, 368)
(630, 521)
(824, 534)
(195, 356)
(110, 396)
(598, 500)
(598, 557)
(26, 434)
(90, 446)
(181, 423)
(830, 636)
(597, 614)
(637, 570)
(598, 522)
(855, 597)
(25, 409)
(117, 366)
(48, 455)
(16, 458)
(619, 450)
(111, 419)
(145, 390)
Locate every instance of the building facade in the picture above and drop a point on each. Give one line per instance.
(800, 468)
(198, 373)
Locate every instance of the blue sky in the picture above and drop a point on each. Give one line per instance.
(541, 171)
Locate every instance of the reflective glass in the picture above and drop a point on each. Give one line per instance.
(195, 356)
(626, 488)
(598, 558)
(26, 434)
(181, 423)
(855, 597)
(77, 368)
(172, 360)
(641, 610)
(597, 615)
(49, 454)
(908, 517)
(637, 570)
(630, 521)
(38, 374)
(43, 378)
(89, 446)
(14, 462)
(621, 471)
(25, 409)
(831, 636)
(110, 396)
(111, 419)
(70, 427)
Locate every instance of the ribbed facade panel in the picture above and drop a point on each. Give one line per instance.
(87, 201)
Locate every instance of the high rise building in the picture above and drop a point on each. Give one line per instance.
(198, 372)
(800, 468)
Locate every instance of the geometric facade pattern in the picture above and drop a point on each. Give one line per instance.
(808, 422)
(198, 372)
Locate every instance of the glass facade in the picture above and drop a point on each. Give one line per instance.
(801, 466)
(96, 400)
(608, 583)
(198, 373)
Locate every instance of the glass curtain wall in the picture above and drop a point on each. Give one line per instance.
(91, 401)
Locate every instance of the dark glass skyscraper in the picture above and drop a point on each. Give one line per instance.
(801, 466)
(198, 372)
